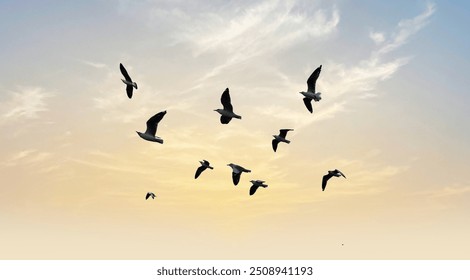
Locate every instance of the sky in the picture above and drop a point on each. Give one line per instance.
(394, 118)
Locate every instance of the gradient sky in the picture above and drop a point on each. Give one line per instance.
(394, 118)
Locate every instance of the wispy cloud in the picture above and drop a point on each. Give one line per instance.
(106, 161)
(109, 166)
(29, 156)
(445, 197)
(377, 37)
(406, 28)
(260, 29)
(93, 64)
(358, 81)
(455, 190)
(25, 103)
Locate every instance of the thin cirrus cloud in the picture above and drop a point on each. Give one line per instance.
(25, 103)
(449, 191)
(93, 64)
(446, 198)
(406, 28)
(30, 156)
(262, 29)
(377, 37)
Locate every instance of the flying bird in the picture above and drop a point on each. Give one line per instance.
(128, 81)
(152, 124)
(330, 174)
(237, 171)
(280, 138)
(150, 194)
(256, 185)
(310, 94)
(227, 112)
(204, 165)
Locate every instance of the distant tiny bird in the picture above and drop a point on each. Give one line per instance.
(310, 93)
(150, 194)
(237, 170)
(152, 124)
(227, 112)
(204, 165)
(256, 185)
(280, 138)
(128, 81)
(330, 174)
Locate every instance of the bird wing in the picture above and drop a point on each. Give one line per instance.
(312, 80)
(275, 142)
(236, 178)
(199, 171)
(283, 132)
(129, 90)
(152, 123)
(225, 120)
(253, 189)
(124, 73)
(341, 173)
(225, 100)
(147, 196)
(206, 162)
(308, 104)
(324, 180)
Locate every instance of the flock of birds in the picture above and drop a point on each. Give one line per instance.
(226, 115)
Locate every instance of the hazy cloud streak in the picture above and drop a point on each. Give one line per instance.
(26, 103)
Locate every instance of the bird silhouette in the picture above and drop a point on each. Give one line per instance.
(280, 138)
(310, 94)
(256, 185)
(204, 165)
(152, 125)
(150, 194)
(237, 170)
(331, 173)
(227, 112)
(128, 81)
